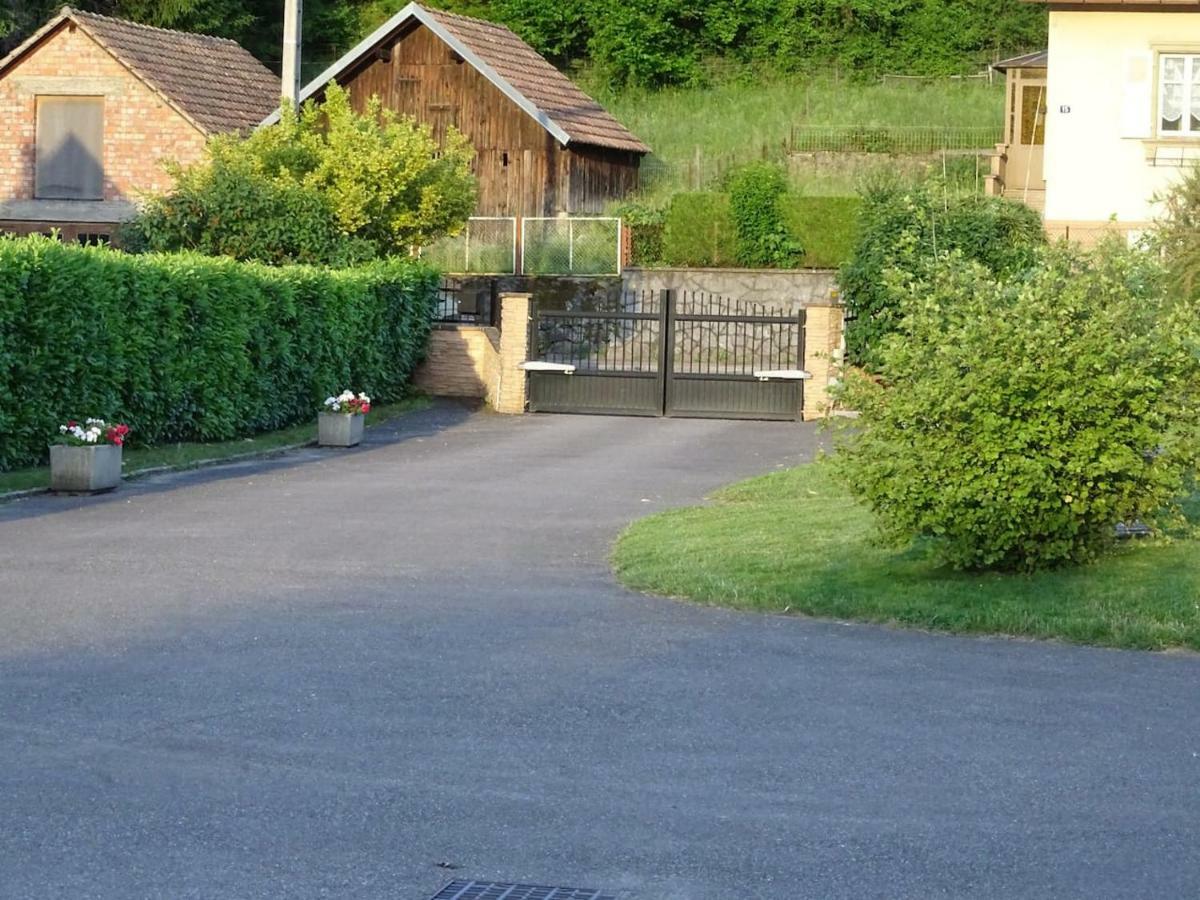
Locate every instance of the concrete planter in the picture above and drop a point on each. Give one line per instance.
(339, 429)
(91, 469)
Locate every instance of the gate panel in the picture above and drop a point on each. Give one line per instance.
(719, 351)
(615, 357)
(715, 398)
(596, 394)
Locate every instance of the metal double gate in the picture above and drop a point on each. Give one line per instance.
(656, 353)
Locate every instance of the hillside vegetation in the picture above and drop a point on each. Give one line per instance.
(698, 133)
(639, 42)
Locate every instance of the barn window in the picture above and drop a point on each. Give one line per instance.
(504, 159)
(1179, 94)
(70, 147)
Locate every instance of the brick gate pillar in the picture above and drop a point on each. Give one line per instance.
(822, 338)
(509, 393)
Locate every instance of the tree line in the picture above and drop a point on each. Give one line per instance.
(644, 43)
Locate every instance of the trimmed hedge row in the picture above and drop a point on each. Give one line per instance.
(188, 347)
(698, 229)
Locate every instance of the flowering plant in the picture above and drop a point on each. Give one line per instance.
(350, 403)
(92, 431)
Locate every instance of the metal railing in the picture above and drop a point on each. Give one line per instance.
(892, 139)
(486, 246)
(571, 245)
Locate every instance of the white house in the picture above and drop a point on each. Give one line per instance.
(1121, 108)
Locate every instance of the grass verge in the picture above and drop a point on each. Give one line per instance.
(184, 456)
(796, 542)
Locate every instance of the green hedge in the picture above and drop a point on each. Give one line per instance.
(699, 229)
(187, 347)
(827, 227)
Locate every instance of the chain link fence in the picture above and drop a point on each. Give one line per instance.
(571, 246)
(486, 246)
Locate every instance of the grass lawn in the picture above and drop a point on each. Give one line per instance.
(795, 542)
(136, 459)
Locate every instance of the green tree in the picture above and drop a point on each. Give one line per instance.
(357, 184)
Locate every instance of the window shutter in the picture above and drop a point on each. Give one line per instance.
(1137, 98)
(70, 148)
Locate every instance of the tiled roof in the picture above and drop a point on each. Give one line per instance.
(585, 120)
(1025, 61)
(513, 66)
(213, 81)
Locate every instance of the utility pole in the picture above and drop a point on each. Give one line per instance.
(292, 16)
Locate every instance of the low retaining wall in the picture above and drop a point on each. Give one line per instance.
(779, 288)
(461, 361)
(478, 361)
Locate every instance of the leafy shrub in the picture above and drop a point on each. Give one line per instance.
(328, 177)
(645, 225)
(826, 226)
(231, 207)
(188, 347)
(761, 239)
(698, 231)
(906, 228)
(1018, 418)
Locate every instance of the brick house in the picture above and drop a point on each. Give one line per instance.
(91, 106)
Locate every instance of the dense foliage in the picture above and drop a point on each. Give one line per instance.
(699, 229)
(760, 235)
(908, 227)
(186, 347)
(331, 26)
(1018, 418)
(642, 42)
(326, 186)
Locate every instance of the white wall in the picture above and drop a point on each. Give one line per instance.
(1094, 170)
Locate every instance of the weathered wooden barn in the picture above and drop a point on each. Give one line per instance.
(543, 146)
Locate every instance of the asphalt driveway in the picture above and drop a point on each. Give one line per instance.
(343, 674)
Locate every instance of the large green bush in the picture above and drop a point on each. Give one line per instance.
(760, 236)
(906, 228)
(187, 347)
(327, 185)
(1018, 418)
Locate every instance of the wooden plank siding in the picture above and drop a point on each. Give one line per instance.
(522, 169)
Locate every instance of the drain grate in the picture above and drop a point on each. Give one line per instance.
(495, 890)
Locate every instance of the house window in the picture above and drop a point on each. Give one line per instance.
(1179, 94)
(70, 147)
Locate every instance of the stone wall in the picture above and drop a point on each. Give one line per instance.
(778, 288)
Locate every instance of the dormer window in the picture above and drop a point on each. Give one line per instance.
(70, 148)
(1179, 94)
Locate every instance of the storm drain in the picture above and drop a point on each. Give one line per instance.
(495, 890)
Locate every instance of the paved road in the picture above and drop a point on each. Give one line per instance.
(324, 675)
